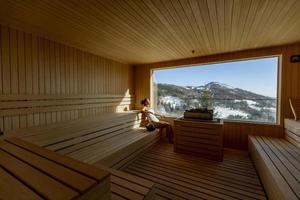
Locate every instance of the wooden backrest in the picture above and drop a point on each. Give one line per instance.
(295, 107)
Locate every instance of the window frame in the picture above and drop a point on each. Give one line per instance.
(279, 80)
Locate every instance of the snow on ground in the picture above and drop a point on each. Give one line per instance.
(173, 101)
(252, 104)
(225, 112)
(254, 107)
(271, 109)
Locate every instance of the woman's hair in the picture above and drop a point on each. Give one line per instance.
(143, 102)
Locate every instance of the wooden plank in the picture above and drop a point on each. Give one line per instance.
(33, 67)
(52, 66)
(21, 62)
(1, 88)
(230, 182)
(47, 72)
(268, 171)
(74, 180)
(9, 183)
(190, 177)
(13, 51)
(222, 188)
(41, 65)
(188, 138)
(35, 179)
(28, 64)
(287, 169)
(63, 160)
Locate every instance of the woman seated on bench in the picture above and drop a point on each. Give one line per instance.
(153, 118)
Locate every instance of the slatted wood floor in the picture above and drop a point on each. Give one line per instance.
(179, 176)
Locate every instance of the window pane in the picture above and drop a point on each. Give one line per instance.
(239, 90)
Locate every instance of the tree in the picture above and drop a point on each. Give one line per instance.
(206, 98)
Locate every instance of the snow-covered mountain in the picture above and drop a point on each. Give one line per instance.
(228, 102)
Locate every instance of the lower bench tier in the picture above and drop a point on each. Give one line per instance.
(278, 164)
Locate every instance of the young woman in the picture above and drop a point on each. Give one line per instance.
(153, 118)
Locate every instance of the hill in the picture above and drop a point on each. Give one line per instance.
(228, 102)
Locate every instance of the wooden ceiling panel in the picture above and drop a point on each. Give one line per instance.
(145, 31)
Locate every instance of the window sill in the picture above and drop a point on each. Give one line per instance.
(238, 122)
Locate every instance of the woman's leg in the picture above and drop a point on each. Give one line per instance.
(169, 130)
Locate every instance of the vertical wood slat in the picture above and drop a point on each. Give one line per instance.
(31, 65)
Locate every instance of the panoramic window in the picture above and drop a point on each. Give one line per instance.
(239, 90)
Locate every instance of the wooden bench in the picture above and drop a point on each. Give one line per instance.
(30, 172)
(292, 131)
(278, 164)
(111, 139)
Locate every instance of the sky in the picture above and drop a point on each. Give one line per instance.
(258, 76)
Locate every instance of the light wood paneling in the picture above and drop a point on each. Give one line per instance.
(144, 31)
(236, 133)
(43, 82)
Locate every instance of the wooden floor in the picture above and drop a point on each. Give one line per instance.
(179, 176)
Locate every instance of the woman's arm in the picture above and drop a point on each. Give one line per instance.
(145, 110)
(159, 115)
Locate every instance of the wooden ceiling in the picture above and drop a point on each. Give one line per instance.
(146, 31)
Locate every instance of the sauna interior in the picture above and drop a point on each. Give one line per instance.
(73, 75)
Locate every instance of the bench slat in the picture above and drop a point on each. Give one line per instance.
(276, 177)
(36, 179)
(285, 167)
(88, 170)
(77, 181)
(288, 155)
(52, 136)
(36, 130)
(10, 188)
(98, 151)
(79, 143)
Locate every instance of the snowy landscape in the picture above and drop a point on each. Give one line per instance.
(228, 102)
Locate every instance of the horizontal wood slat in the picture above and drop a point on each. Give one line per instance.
(199, 138)
(42, 104)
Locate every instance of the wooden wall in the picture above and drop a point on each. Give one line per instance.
(43, 82)
(236, 133)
